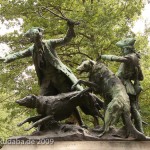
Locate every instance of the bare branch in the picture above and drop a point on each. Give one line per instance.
(146, 89)
(91, 38)
(61, 16)
(3, 100)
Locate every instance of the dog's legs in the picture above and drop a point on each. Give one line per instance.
(96, 122)
(86, 83)
(30, 119)
(81, 93)
(112, 113)
(39, 122)
(78, 117)
(107, 121)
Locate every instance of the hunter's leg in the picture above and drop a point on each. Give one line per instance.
(47, 88)
(136, 114)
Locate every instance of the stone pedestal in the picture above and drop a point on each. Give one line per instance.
(85, 145)
(72, 137)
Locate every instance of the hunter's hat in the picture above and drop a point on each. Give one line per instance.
(128, 42)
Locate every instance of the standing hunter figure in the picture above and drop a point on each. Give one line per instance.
(130, 74)
(53, 76)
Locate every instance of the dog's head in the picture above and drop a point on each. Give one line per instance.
(86, 66)
(28, 101)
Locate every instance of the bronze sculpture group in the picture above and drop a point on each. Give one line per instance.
(60, 92)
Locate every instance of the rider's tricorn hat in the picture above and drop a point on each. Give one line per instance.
(128, 42)
(34, 31)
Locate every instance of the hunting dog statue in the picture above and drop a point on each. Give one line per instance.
(102, 81)
(59, 107)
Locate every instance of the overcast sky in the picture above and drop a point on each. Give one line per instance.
(143, 21)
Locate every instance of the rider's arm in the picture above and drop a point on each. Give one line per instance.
(114, 58)
(18, 55)
(69, 35)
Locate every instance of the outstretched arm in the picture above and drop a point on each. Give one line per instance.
(69, 35)
(113, 58)
(18, 55)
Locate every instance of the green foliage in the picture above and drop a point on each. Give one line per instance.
(102, 24)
